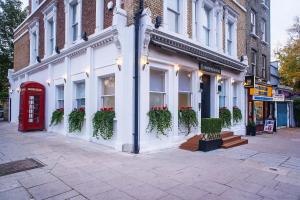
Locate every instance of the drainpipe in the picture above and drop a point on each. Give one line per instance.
(137, 19)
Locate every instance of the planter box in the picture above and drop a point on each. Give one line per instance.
(210, 145)
(251, 130)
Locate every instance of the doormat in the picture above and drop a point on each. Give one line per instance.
(19, 166)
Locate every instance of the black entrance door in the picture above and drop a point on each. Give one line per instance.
(205, 97)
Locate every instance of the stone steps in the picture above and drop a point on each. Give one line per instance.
(229, 140)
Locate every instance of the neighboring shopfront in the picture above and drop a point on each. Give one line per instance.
(260, 103)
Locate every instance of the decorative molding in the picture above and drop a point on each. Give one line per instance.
(103, 42)
(77, 53)
(57, 61)
(183, 46)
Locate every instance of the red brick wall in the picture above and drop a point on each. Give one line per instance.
(108, 15)
(21, 52)
(89, 16)
(60, 27)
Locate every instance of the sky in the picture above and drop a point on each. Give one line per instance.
(283, 13)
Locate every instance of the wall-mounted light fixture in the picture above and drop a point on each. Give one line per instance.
(144, 62)
(110, 5)
(48, 82)
(84, 36)
(65, 78)
(18, 89)
(87, 73)
(11, 91)
(57, 50)
(119, 63)
(38, 59)
(200, 74)
(177, 68)
(219, 78)
(232, 81)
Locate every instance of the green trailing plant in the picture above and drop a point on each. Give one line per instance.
(211, 128)
(76, 119)
(236, 115)
(57, 116)
(251, 123)
(187, 118)
(160, 120)
(225, 116)
(103, 123)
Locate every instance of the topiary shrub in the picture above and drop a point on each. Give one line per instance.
(160, 120)
(103, 123)
(236, 115)
(225, 116)
(57, 116)
(211, 128)
(187, 117)
(76, 119)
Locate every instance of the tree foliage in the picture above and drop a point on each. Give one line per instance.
(289, 57)
(11, 15)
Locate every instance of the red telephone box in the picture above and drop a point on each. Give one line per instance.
(32, 106)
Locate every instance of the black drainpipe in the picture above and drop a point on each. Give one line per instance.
(137, 19)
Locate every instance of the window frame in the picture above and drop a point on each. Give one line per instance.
(253, 28)
(190, 92)
(34, 41)
(229, 39)
(177, 14)
(207, 27)
(57, 99)
(263, 30)
(254, 64)
(223, 93)
(50, 16)
(102, 95)
(74, 22)
(164, 92)
(76, 97)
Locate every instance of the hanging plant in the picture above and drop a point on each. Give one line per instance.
(187, 118)
(236, 115)
(160, 120)
(103, 123)
(57, 116)
(76, 119)
(225, 116)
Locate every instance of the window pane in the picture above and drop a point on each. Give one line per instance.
(157, 81)
(172, 21)
(80, 103)
(156, 99)
(206, 17)
(108, 101)
(184, 81)
(221, 101)
(174, 5)
(80, 90)
(108, 85)
(184, 99)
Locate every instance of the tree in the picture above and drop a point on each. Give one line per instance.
(289, 57)
(11, 15)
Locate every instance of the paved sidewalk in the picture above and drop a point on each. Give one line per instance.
(268, 168)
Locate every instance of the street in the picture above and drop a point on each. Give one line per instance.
(267, 168)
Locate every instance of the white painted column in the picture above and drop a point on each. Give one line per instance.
(89, 90)
(173, 83)
(165, 15)
(50, 97)
(234, 50)
(68, 100)
(214, 105)
(196, 96)
(229, 96)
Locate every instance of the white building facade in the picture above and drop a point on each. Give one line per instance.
(202, 71)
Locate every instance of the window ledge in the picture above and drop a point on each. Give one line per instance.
(265, 43)
(265, 6)
(254, 35)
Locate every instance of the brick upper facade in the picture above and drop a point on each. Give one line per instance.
(89, 24)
